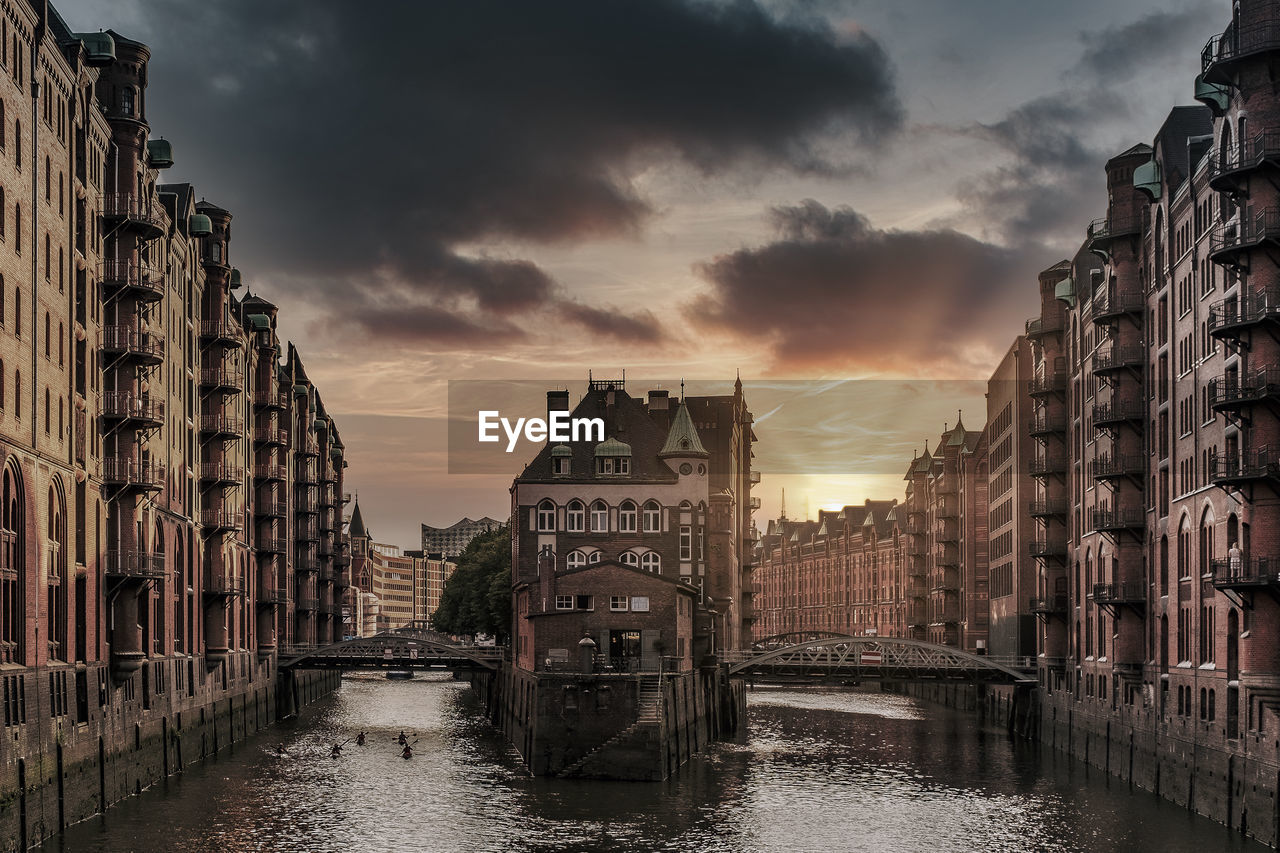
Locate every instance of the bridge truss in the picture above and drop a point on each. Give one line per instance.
(402, 649)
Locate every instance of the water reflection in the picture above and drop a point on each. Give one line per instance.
(828, 771)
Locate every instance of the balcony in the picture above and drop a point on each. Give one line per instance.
(947, 580)
(1132, 594)
(271, 437)
(271, 509)
(307, 605)
(1103, 232)
(1039, 327)
(1048, 508)
(1233, 241)
(143, 282)
(1222, 55)
(221, 332)
(1230, 172)
(270, 398)
(1048, 383)
(224, 586)
(1119, 358)
(1047, 548)
(1119, 413)
(306, 504)
(1052, 605)
(126, 406)
(221, 426)
(946, 509)
(1110, 304)
(309, 448)
(1239, 469)
(132, 474)
(1116, 520)
(221, 474)
(1230, 317)
(220, 520)
(271, 598)
(945, 616)
(1043, 425)
(1048, 466)
(754, 478)
(330, 475)
(221, 379)
(134, 564)
(306, 564)
(307, 532)
(135, 213)
(1246, 573)
(1121, 465)
(270, 473)
(130, 342)
(1233, 393)
(752, 503)
(271, 545)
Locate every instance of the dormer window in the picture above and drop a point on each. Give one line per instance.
(560, 466)
(613, 465)
(561, 461)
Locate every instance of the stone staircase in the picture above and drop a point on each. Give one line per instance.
(648, 723)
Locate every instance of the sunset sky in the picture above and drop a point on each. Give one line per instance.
(800, 190)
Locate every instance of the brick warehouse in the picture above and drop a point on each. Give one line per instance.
(172, 488)
(630, 566)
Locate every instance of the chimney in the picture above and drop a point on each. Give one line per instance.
(557, 401)
(660, 408)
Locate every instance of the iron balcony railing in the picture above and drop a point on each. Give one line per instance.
(1231, 391)
(135, 209)
(1103, 231)
(272, 509)
(1247, 309)
(1045, 508)
(148, 280)
(222, 519)
(126, 405)
(134, 563)
(1046, 424)
(1236, 43)
(1119, 411)
(1259, 464)
(221, 425)
(270, 472)
(1047, 548)
(271, 398)
(271, 545)
(1130, 592)
(1226, 167)
(133, 342)
(121, 471)
(1124, 518)
(1043, 466)
(223, 331)
(1048, 605)
(1038, 327)
(1109, 303)
(1118, 358)
(1054, 382)
(271, 436)
(218, 472)
(1249, 231)
(224, 585)
(307, 604)
(1119, 465)
(221, 378)
(1243, 572)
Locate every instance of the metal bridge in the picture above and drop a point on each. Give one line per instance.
(819, 656)
(402, 649)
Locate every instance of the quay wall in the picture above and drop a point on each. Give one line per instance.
(66, 756)
(593, 726)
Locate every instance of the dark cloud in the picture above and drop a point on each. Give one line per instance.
(1117, 54)
(418, 325)
(833, 292)
(642, 328)
(401, 136)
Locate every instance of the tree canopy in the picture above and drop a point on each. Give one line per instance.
(477, 596)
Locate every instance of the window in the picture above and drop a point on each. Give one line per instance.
(652, 517)
(560, 465)
(575, 560)
(618, 602)
(564, 602)
(640, 603)
(595, 556)
(686, 543)
(627, 517)
(651, 562)
(630, 558)
(546, 517)
(584, 602)
(126, 100)
(599, 517)
(575, 517)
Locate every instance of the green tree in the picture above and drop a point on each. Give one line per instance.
(477, 597)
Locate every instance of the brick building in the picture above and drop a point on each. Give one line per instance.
(843, 573)
(155, 447)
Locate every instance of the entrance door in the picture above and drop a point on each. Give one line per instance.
(624, 650)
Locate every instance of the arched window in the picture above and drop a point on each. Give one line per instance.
(12, 594)
(576, 517)
(599, 517)
(627, 517)
(630, 558)
(652, 517)
(546, 517)
(595, 556)
(651, 561)
(575, 560)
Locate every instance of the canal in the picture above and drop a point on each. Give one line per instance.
(816, 772)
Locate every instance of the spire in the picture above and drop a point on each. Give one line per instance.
(357, 529)
(782, 514)
(682, 439)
